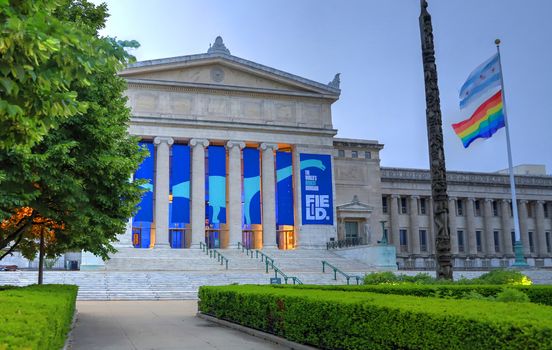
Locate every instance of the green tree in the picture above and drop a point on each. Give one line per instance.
(77, 175)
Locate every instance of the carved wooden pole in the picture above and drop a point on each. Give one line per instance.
(436, 152)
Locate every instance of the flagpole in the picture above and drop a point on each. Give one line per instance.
(518, 246)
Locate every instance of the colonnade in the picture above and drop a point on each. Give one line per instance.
(478, 235)
(197, 191)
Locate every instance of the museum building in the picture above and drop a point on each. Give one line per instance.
(244, 153)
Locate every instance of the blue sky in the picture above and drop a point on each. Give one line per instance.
(375, 45)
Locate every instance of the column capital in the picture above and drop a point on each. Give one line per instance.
(451, 198)
(395, 196)
(523, 201)
(489, 200)
(163, 139)
(505, 200)
(471, 199)
(199, 142)
(540, 202)
(231, 144)
(415, 197)
(268, 146)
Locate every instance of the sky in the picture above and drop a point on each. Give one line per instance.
(375, 45)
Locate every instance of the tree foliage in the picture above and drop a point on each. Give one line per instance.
(76, 174)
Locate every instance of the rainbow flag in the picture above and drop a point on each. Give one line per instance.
(484, 122)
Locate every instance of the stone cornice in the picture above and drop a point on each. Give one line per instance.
(228, 90)
(465, 178)
(233, 125)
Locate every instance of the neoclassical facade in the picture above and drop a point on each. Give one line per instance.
(244, 153)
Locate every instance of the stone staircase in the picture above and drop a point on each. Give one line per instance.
(158, 274)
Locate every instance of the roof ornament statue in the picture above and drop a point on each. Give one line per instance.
(335, 82)
(218, 47)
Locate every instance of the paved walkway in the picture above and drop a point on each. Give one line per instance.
(140, 325)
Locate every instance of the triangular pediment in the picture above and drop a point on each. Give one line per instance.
(223, 71)
(355, 205)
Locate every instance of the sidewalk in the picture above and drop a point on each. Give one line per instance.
(153, 325)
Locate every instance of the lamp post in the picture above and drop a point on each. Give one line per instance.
(384, 240)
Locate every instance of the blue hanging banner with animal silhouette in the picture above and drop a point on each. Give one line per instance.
(217, 184)
(180, 186)
(316, 189)
(251, 186)
(284, 189)
(145, 172)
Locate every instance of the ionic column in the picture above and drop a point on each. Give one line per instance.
(539, 221)
(522, 210)
(414, 226)
(507, 249)
(198, 190)
(452, 226)
(394, 217)
(268, 194)
(234, 192)
(162, 157)
(488, 235)
(470, 227)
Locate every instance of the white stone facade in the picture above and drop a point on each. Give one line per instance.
(220, 99)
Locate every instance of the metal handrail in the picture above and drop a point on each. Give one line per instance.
(214, 254)
(336, 270)
(268, 262)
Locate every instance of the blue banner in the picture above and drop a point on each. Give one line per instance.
(316, 189)
(217, 184)
(251, 186)
(180, 186)
(145, 171)
(284, 189)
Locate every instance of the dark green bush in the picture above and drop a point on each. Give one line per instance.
(36, 317)
(512, 295)
(499, 276)
(541, 294)
(331, 319)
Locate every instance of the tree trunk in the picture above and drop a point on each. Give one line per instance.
(41, 257)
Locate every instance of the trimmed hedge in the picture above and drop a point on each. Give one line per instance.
(36, 317)
(540, 294)
(363, 320)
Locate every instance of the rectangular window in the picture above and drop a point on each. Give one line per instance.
(384, 208)
(341, 153)
(354, 154)
(513, 233)
(368, 155)
(460, 235)
(529, 209)
(423, 207)
(545, 207)
(423, 240)
(531, 242)
(459, 207)
(495, 208)
(403, 206)
(548, 243)
(403, 240)
(478, 241)
(351, 230)
(496, 236)
(477, 207)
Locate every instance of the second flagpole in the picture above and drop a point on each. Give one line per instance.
(518, 245)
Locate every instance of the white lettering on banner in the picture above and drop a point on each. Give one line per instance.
(316, 206)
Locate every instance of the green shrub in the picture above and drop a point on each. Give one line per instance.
(541, 294)
(512, 295)
(391, 278)
(500, 276)
(36, 317)
(361, 320)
